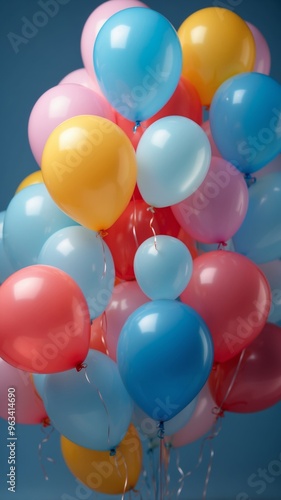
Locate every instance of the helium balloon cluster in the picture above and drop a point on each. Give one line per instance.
(121, 303)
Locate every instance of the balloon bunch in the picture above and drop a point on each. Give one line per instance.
(104, 298)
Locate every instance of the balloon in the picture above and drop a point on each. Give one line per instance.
(34, 178)
(81, 77)
(259, 237)
(252, 142)
(98, 333)
(201, 421)
(87, 259)
(19, 401)
(255, 377)
(173, 158)
(272, 272)
(90, 407)
(233, 297)
(57, 105)
(137, 74)
(103, 472)
(263, 57)
(185, 101)
(44, 322)
(271, 167)
(163, 267)
(131, 229)
(126, 298)
(216, 210)
(89, 168)
(6, 268)
(30, 219)
(207, 130)
(189, 243)
(216, 44)
(38, 380)
(164, 356)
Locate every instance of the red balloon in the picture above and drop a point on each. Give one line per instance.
(133, 228)
(97, 340)
(184, 102)
(255, 383)
(44, 322)
(233, 296)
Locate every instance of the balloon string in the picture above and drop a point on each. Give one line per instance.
(118, 452)
(136, 126)
(167, 454)
(161, 435)
(219, 410)
(152, 210)
(135, 223)
(150, 452)
(45, 424)
(103, 326)
(101, 235)
(145, 482)
(250, 180)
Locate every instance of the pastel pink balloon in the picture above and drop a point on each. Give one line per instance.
(200, 422)
(29, 408)
(216, 210)
(94, 23)
(57, 105)
(82, 77)
(263, 57)
(126, 298)
(207, 129)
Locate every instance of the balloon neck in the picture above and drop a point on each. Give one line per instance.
(222, 245)
(81, 366)
(218, 412)
(250, 180)
(46, 422)
(136, 126)
(112, 452)
(161, 430)
(102, 233)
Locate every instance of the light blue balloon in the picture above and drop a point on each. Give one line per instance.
(83, 255)
(272, 272)
(245, 120)
(259, 237)
(209, 247)
(31, 218)
(173, 157)
(39, 380)
(92, 407)
(163, 267)
(6, 268)
(165, 355)
(138, 62)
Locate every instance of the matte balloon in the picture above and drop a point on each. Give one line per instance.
(34, 178)
(263, 57)
(173, 158)
(252, 142)
(44, 322)
(87, 259)
(6, 268)
(137, 74)
(259, 237)
(91, 407)
(164, 355)
(272, 272)
(256, 375)
(89, 168)
(233, 297)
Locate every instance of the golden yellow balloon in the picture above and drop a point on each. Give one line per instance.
(89, 168)
(102, 472)
(216, 44)
(34, 178)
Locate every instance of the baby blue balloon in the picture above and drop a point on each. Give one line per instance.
(31, 218)
(83, 255)
(245, 120)
(173, 157)
(138, 62)
(272, 272)
(39, 381)
(259, 237)
(6, 268)
(165, 355)
(163, 267)
(92, 407)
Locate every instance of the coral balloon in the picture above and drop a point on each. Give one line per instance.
(97, 340)
(34, 178)
(89, 168)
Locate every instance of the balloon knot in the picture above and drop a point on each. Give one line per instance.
(102, 233)
(222, 245)
(46, 422)
(80, 366)
(161, 432)
(151, 209)
(136, 126)
(112, 452)
(250, 180)
(218, 412)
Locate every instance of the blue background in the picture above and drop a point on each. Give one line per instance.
(246, 442)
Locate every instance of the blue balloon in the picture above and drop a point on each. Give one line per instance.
(245, 120)
(83, 255)
(39, 382)
(272, 272)
(165, 355)
(92, 407)
(259, 237)
(31, 218)
(138, 62)
(163, 267)
(6, 268)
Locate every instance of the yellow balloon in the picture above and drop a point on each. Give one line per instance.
(34, 178)
(216, 44)
(89, 168)
(102, 472)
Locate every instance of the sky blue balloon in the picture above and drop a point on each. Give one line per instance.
(83, 255)
(163, 267)
(272, 272)
(92, 407)
(259, 237)
(39, 381)
(31, 218)
(245, 120)
(6, 268)
(165, 355)
(138, 62)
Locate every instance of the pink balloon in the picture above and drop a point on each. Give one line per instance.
(57, 105)
(216, 210)
(81, 77)
(126, 298)
(28, 406)
(94, 23)
(207, 129)
(200, 422)
(263, 57)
